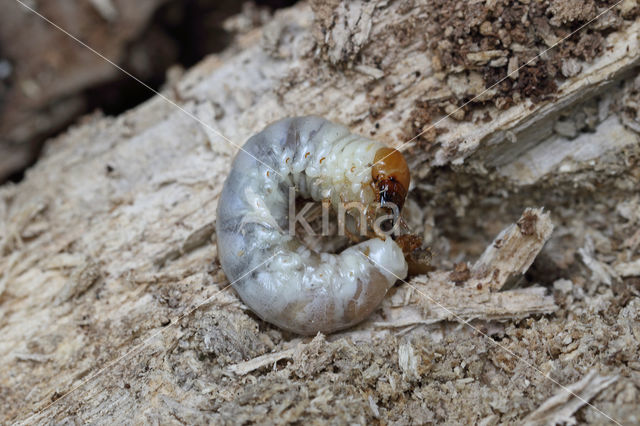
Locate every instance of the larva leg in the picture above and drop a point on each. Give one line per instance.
(297, 288)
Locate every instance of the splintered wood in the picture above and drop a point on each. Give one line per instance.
(245, 367)
(559, 409)
(474, 293)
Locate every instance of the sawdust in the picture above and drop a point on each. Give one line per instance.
(490, 40)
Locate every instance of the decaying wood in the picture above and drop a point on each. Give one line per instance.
(261, 361)
(474, 293)
(33, 106)
(109, 240)
(560, 408)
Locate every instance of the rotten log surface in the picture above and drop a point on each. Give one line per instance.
(108, 244)
(48, 75)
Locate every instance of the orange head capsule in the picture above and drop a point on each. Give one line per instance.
(391, 177)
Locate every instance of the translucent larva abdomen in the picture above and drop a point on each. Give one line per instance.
(291, 285)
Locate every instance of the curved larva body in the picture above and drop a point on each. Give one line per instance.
(298, 289)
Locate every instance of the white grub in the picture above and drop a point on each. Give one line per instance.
(559, 409)
(281, 279)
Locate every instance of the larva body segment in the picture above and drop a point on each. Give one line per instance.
(299, 289)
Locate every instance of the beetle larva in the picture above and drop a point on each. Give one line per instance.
(293, 286)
